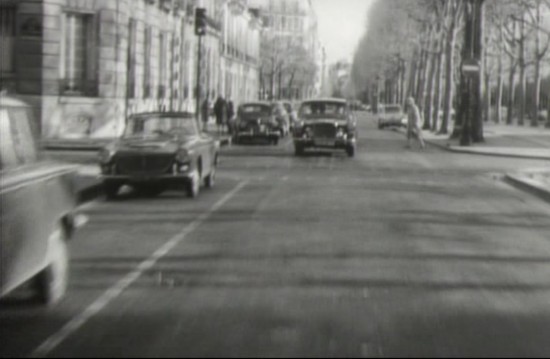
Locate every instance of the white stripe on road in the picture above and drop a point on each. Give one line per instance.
(112, 293)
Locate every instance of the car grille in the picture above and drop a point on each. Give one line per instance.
(144, 164)
(324, 130)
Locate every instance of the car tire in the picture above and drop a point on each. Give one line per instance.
(298, 150)
(350, 151)
(275, 141)
(193, 185)
(51, 283)
(111, 190)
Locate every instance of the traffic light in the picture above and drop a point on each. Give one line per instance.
(200, 21)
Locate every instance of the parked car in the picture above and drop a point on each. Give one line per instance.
(38, 214)
(292, 115)
(327, 124)
(261, 120)
(160, 151)
(391, 116)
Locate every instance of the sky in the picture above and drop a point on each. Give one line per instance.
(342, 24)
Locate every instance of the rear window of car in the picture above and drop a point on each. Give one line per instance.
(17, 144)
(255, 109)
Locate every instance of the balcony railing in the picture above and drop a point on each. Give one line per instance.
(78, 87)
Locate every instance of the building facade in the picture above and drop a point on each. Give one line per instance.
(86, 65)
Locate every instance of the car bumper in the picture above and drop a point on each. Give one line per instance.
(166, 180)
(325, 143)
(268, 134)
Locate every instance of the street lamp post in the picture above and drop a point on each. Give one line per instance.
(200, 31)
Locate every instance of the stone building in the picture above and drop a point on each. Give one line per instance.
(85, 65)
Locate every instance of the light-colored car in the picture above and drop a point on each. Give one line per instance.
(391, 116)
(38, 209)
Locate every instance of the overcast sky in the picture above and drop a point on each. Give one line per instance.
(342, 23)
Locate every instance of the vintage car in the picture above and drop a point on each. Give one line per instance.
(160, 151)
(261, 120)
(325, 124)
(38, 213)
(391, 116)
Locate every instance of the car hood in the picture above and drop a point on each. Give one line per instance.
(157, 145)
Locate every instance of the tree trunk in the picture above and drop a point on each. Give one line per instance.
(522, 70)
(511, 93)
(430, 94)
(413, 75)
(500, 88)
(479, 88)
(548, 110)
(420, 82)
(536, 99)
(449, 83)
(438, 85)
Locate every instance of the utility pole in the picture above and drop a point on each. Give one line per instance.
(200, 31)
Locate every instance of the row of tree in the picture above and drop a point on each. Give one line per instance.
(417, 48)
(287, 69)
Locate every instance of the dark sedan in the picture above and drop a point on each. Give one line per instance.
(159, 151)
(261, 120)
(325, 124)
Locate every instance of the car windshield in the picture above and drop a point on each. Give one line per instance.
(313, 110)
(393, 109)
(255, 109)
(161, 126)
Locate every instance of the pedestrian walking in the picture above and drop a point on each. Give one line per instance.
(413, 124)
(220, 111)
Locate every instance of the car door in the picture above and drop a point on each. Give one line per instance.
(24, 224)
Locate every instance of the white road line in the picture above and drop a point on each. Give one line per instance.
(112, 293)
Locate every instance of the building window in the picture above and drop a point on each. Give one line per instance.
(147, 62)
(162, 66)
(7, 39)
(78, 68)
(131, 80)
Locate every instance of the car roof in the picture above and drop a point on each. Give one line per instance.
(9, 101)
(326, 99)
(165, 114)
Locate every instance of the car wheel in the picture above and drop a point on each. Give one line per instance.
(298, 150)
(193, 185)
(380, 126)
(210, 180)
(275, 141)
(51, 282)
(350, 151)
(111, 189)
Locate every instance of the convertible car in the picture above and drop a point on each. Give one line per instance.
(325, 124)
(159, 151)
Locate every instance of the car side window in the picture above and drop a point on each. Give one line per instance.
(8, 156)
(23, 139)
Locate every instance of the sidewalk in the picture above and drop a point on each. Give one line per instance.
(510, 141)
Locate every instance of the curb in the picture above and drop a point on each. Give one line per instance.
(474, 152)
(524, 185)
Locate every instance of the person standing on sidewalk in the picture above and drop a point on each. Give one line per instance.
(230, 116)
(413, 124)
(220, 111)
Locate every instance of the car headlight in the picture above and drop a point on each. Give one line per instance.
(106, 155)
(182, 156)
(340, 133)
(307, 132)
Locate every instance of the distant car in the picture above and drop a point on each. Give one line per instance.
(261, 120)
(391, 116)
(292, 114)
(160, 151)
(325, 124)
(38, 213)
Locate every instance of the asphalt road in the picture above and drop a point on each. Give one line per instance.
(393, 253)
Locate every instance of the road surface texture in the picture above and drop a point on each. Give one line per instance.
(395, 252)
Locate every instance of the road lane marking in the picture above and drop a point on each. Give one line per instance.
(116, 290)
